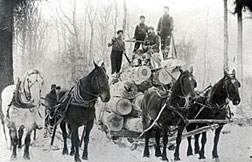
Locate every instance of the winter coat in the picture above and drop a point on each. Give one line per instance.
(140, 32)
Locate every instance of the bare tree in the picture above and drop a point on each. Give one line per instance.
(116, 15)
(91, 10)
(225, 35)
(103, 27)
(124, 15)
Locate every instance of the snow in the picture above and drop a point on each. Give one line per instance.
(235, 146)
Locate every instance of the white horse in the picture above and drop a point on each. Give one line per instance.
(20, 104)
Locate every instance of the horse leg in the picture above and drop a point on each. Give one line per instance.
(14, 142)
(157, 148)
(35, 134)
(72, 152)
(189, 140)
(76, 142)
(178, 141)
(196, 144)
(216, 140)
(86, 139)
(64, 135)
(20, 135)
(146, 137)
(27, 144)
(203, 143)
(165, 142)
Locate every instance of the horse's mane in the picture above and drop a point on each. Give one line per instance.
(17, 100)
(214, 90)
(175, 90)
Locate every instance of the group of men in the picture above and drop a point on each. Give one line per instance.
(144, 37)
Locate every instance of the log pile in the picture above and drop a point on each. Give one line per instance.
(123, 111)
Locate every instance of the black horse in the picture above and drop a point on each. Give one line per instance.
(213, 105)
(169, 111)
(80, 109)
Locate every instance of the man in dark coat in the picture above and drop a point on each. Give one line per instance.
(50, 102)
(151, 47)
(151, 42)
(118, 48)
(164, 29)
(140, 33)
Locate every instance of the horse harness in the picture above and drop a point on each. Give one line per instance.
(74, 97)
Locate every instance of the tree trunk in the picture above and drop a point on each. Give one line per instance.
(116, 15)
(239, 50)
(6, 31)
(225, 36)
(125, 16)
(91, 45)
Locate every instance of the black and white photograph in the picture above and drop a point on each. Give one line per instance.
(126, 80)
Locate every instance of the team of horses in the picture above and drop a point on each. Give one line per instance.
(77, 107)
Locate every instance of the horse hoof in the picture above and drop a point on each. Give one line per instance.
(84, 157)
(176, 159)
(26, 157)
(158, 153)
(65, 152)
(216, 160)
(189, 153)
(202, 157)
(13, 157)
(19, 146)
(164, 158)
(72, 153)
(146, 154)
(77, 159)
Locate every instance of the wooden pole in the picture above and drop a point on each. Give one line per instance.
(205, 121)
(196, 131)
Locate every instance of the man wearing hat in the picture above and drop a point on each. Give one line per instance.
(140, 33)
(151, 42)
(50, 102)
(118, 48)
(151, 46)
(164, 29)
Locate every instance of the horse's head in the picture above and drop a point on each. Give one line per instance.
(31, 85)
(100, 82)
(187, 83)
(231, 86)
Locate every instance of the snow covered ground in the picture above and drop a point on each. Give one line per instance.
(234, 146)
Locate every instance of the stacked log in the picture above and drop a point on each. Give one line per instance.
(123, 111)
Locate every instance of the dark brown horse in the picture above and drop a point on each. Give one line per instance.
(173, 113)
(213, 105)
(81, 108)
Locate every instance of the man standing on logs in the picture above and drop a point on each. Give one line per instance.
(118, 49)
(164, 29)
(140, 33)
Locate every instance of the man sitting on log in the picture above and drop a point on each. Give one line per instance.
(151, 47)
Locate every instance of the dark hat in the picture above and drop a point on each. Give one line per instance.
(142, 16)
(53, 86)
(119, 31)
(58, 88)
(167, 7)
(150, 28)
